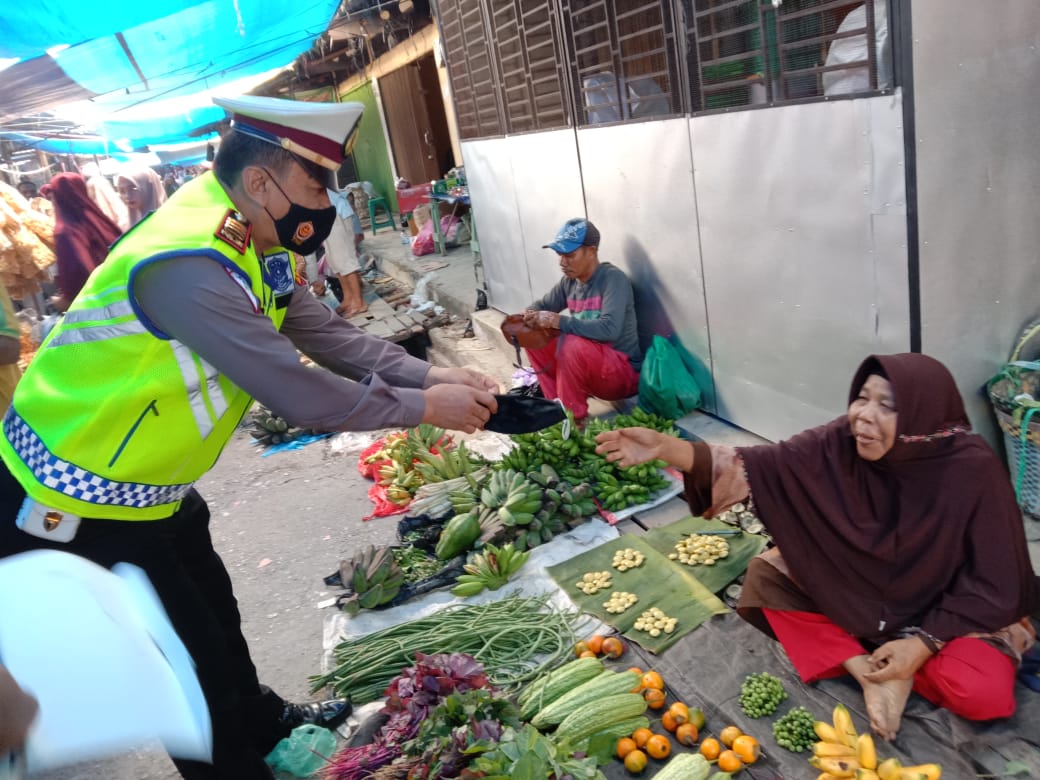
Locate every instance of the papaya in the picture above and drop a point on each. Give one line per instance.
(458, 535)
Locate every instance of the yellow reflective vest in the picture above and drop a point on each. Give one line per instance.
(113, 418)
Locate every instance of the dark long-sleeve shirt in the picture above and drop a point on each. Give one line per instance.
(602, 309)
(212, 315)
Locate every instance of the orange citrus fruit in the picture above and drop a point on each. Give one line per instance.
(680, 712)
(729, 734)
(635, 762)
(625, 745)
(595, 644)
(659, 746)
(669, 722)
(730, 761)
(580, 647)
(652, 679)
(687, 734)
(587, 654)
(710, 748)
(635, 669)
(654, 698)
(641, 736)
(613, 647)
(747, 748)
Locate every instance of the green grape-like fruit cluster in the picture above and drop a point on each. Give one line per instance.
(761, 694)
(794, 730)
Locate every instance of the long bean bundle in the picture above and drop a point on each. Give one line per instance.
(516, 638)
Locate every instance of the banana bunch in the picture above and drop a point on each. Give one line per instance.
(841, 753)
(490, 569)
(271, 429)
(514, 498)
(452, 496)
(373, 578)
(563, 507)
(395, 448)
(446, 464)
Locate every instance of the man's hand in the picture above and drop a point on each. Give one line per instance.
(17, 712)
(460, 376)
(898, 659)
(542, 319)
(458, 407)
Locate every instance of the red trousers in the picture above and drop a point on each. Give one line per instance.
(969, 677)
(573, 368)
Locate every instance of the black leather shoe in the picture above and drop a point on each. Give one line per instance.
(327, 714)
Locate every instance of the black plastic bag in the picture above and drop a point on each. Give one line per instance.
(522, 414)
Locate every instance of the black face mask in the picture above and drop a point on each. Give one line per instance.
(302, 230)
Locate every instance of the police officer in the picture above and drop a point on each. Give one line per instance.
(136, 392)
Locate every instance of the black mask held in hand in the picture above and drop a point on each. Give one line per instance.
(302, 230)
(522, 414)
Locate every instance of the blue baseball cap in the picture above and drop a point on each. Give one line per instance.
(575, 233)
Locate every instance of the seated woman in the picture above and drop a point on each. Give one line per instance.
(904, 560)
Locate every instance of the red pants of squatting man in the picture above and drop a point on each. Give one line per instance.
(573, 368)
(969, 677)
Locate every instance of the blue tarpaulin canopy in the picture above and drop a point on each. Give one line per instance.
(122, 55)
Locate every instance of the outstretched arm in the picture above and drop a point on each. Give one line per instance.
(632, 446)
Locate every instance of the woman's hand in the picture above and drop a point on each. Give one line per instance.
(439, 375)
(898, 659)
(630, 446)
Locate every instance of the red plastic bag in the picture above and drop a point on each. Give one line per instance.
(371, 470)
(384, 507)
(423, 244)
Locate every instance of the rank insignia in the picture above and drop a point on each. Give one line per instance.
(234, 231)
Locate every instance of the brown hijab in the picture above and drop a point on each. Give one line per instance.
(929, 535)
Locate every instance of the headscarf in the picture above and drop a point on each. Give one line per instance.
(102, 192)
(82, 232)
(929, 535)
(150, 192)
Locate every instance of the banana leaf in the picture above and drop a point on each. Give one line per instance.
(657, 583)
(742, 548)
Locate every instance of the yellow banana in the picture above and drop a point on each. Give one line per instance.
(839, 767)
(866, 774)
(833, 750)
(866, 752)
(889, 769)
(826, 732)
(844, 726)
(921, 772)
(826, 776)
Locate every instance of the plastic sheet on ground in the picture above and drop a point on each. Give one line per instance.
(531, 580)
(296, 444)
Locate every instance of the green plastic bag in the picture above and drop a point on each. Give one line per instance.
(666, 385)
(305, 751)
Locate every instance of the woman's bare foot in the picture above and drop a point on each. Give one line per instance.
(885, 700)
(348, 310)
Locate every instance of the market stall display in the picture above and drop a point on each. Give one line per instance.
(590, 580)
(26, 244)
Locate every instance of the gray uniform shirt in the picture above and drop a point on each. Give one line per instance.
(212, 315)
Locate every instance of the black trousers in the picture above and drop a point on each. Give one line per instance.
(178, 556)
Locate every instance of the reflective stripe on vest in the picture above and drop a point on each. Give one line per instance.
(77, 482)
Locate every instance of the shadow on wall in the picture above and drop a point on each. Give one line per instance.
(652, 318)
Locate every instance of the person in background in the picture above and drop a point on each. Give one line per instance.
(83, 234)
(104, 195)
(900, 555)
(170, 183)
(27, 188)
(10, 349)
(597, 351)
(341, 256)
(133, 397)
(141, 190)
(17, 712)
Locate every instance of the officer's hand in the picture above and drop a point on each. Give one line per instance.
(458, 407)
(17, 712)
(461, 376)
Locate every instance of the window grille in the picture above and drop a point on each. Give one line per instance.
(529, 66)
(470, 68)
(623, 59)
(753, 52)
